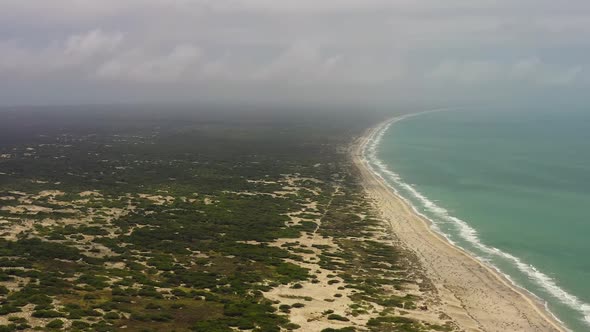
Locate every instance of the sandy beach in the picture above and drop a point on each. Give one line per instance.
(473, 295)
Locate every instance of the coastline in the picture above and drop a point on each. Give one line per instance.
(474, 295)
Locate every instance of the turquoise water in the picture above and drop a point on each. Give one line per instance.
(511, 187)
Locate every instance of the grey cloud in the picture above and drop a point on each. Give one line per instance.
(75, 52)
(361, 50)
(93, 43)
(531, 71)
(140, 67)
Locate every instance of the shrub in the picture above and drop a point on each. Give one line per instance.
(338, 317)
(7, 328)
(47, 314)
(153, 306)
(344, 329)
(176, 306)
(78, 324)
(111, 315)
(55, 324)
(291, 326)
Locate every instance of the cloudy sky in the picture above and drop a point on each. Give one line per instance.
(370, 52)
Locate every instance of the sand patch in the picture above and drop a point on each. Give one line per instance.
(90, 193)
(322, 296)
(262, 181)
(158, 199)
(28, 209)
(49, 193)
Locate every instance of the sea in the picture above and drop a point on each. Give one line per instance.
(510, 186)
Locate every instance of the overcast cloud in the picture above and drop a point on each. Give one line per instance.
(373, 52)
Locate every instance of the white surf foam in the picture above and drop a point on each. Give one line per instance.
(465, 231)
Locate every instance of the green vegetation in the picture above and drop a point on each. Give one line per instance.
(115, 221)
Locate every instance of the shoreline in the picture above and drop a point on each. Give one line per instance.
(474, 295)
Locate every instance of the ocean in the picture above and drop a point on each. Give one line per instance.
(512, 187)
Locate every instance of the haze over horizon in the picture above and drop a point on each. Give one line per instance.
(304, 52)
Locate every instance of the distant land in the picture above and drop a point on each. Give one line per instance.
(114, 219)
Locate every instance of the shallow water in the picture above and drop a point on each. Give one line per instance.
(511, 187)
